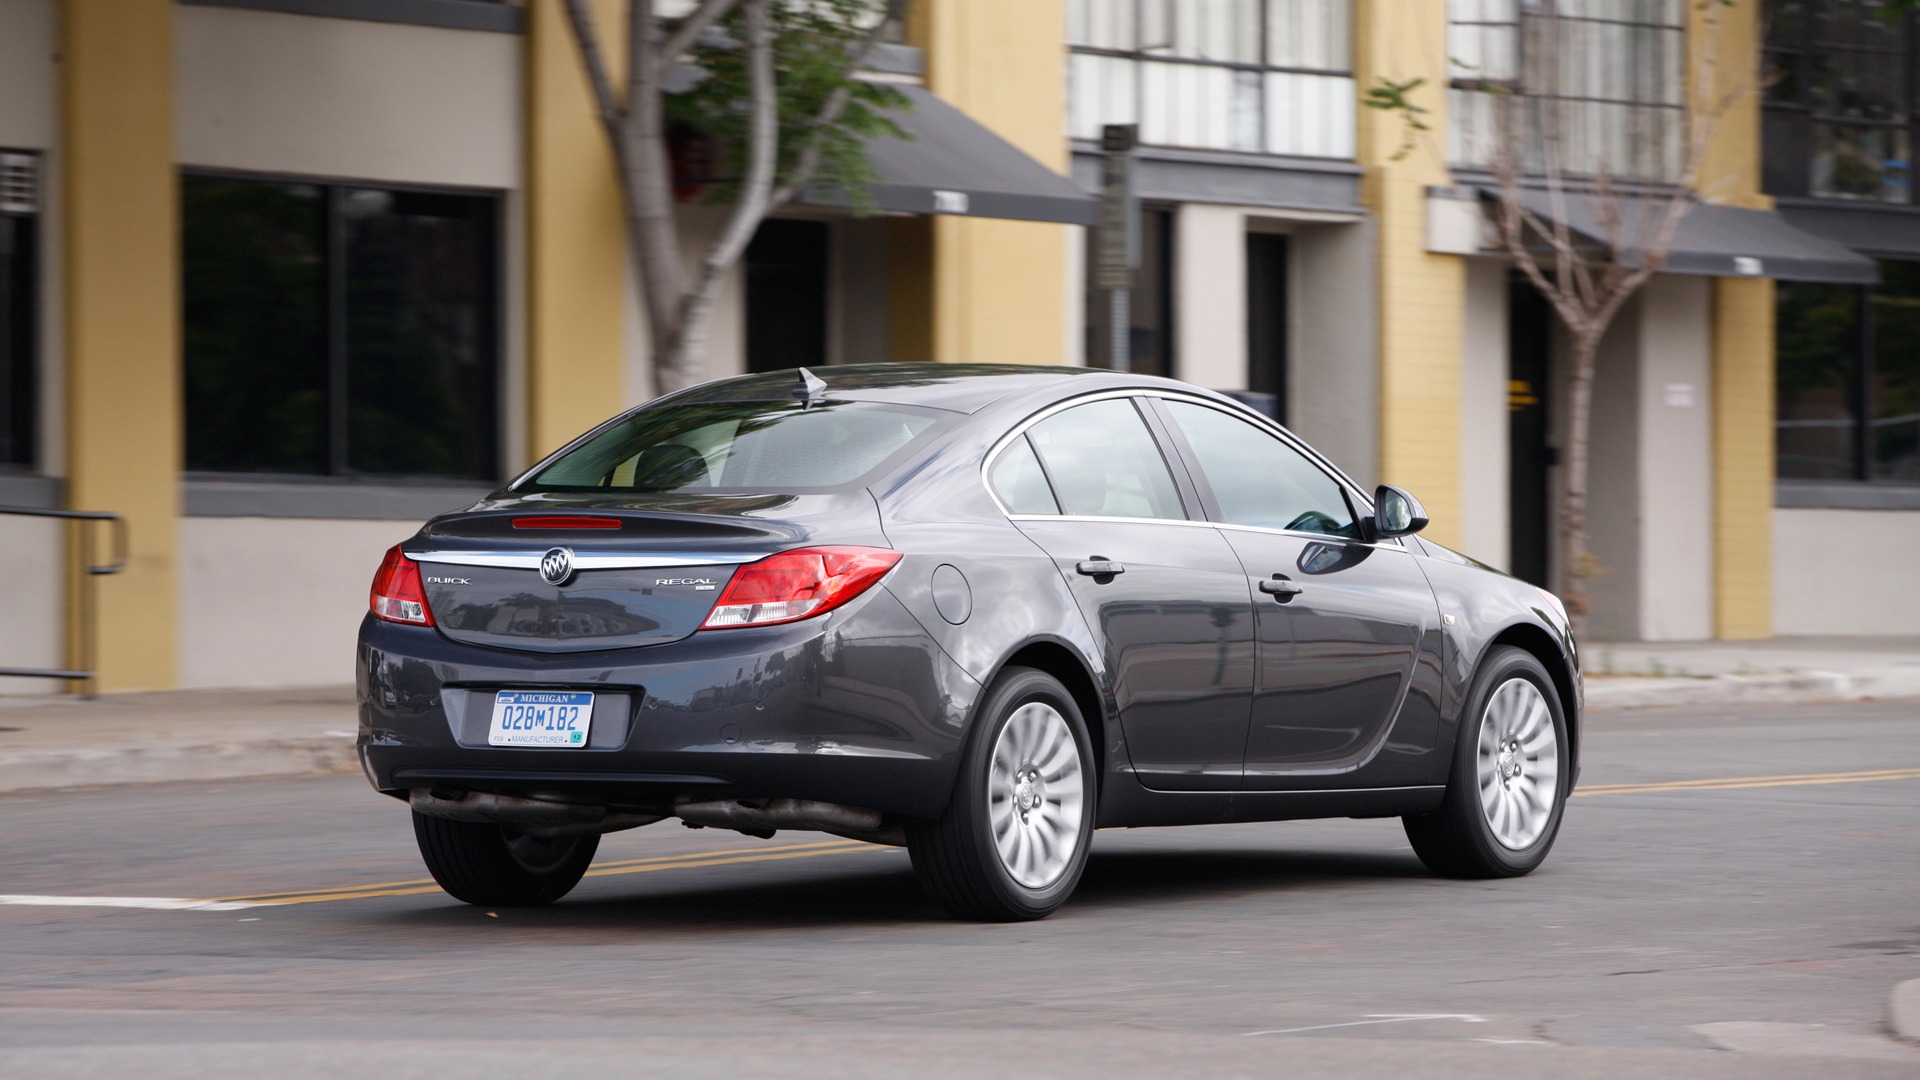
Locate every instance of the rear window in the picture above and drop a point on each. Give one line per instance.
(759, 446)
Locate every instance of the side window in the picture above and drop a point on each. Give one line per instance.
(1260, 480)
(1018, 481)
(1103, 462)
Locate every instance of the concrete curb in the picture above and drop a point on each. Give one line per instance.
(88, 766)
(1903, 1011)
(1791, 687)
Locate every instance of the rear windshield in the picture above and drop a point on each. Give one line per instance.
(757, 446)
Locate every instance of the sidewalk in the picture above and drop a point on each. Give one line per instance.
(54, 742)
(1635, 675)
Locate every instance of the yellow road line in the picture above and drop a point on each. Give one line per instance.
(734, 856)
(688, 861)
(1735, 783)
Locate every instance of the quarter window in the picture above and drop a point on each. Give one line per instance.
(1259, 480)
(1103, 463)
(334, 330)
(1018, 481)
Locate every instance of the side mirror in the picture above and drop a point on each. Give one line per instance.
(1396, 513)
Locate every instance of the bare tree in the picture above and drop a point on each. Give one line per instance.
(1587, 279)
(793, 132)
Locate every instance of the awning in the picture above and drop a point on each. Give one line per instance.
(1712, 241)
(950, 164)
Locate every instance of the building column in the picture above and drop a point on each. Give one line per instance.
(1422, 295)
(121, 288)
(1743, 465)
(997, 293)
(579, 281)
(1743, 341)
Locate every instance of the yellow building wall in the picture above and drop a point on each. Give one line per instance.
(1422, 295)
(998, 288)
(121, 273)
(577, 276)
(1725, 60)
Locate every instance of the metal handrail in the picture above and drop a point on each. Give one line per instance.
(84, 672)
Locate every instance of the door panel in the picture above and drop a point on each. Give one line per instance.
(1340, 622)
(1177, 635)
(1336, 658)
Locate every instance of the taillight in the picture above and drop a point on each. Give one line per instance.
(798, 585)
(397, 595)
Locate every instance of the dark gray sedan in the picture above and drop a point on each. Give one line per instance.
(979, 611)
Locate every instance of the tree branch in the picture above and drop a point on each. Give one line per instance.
(831, 109)
(594, 60)
(691, 27)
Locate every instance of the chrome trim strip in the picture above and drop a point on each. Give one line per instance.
(1391, 543)
(582, 560)
(1286, 437)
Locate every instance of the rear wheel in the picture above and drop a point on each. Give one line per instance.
(1013, 841)
(494, 866)
(1509, 782)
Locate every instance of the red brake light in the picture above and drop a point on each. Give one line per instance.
(397, 594)
(566, 522)
(798, 584)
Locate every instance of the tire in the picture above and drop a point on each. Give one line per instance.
(1496, 821)
(494, 866)
(1013, 841)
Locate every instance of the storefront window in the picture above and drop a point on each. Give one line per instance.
(1849, 379)
(334, 330)
(1261, 76)
(1839, 105)
(1604, 77)
(19, 306)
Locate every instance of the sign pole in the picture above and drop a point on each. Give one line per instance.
(1118, 252)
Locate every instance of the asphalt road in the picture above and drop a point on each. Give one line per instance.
(1751, 927)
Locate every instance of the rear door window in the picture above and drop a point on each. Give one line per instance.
(1104, 463)
(1016, 478)
(757, 446)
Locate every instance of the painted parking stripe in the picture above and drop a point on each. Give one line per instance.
(1737, 783)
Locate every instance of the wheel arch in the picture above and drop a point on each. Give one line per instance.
(1532, 639)
(1065, 665)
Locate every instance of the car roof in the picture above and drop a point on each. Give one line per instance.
(964, 388)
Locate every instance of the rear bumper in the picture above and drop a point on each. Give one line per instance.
(859, 708)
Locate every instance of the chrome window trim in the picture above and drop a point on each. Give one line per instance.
(582, 560)
(1362, 499)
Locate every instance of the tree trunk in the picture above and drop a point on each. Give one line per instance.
(1577, 568)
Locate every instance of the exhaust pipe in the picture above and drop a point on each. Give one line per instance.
(761, 817)
(535, 817)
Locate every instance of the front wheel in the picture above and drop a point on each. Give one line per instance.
(494, 866)
(1013, 841)
(1508, 787)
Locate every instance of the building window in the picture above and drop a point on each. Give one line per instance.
(19, 306)
(1262, 76)
(1839, 108)
(1606, 76)
(1849, 379)
(336, 330)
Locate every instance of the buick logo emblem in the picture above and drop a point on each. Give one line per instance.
(556, 566)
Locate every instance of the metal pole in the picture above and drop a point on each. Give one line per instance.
(1120, 326)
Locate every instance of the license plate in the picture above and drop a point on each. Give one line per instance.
(551, 718)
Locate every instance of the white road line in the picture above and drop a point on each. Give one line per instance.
(1379, 1018)
(149, 903)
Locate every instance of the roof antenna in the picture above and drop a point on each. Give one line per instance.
(810, 389)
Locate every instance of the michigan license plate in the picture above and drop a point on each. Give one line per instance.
(556, 719)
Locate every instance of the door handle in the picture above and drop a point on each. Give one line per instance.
(1098, 568)
(1282, 588)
